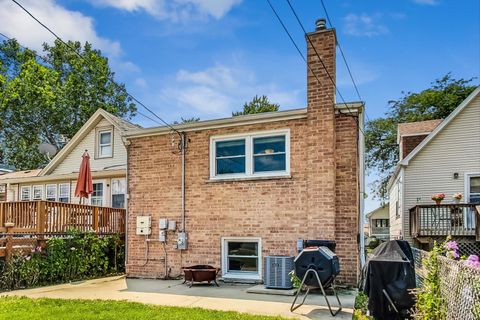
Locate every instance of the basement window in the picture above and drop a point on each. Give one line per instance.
(241, 258)
(259, 154)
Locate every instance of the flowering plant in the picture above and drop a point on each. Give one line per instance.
(472, 261)
(438, 196)
(457, 196)
(451, 248)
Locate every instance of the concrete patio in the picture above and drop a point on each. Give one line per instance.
(228, 297)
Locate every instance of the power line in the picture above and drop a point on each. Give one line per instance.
(343, 56)
(46, 61)
(308, 66)
(83, 59)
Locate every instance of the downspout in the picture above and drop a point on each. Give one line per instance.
(126, 143)
(182, 147)
(361, 154)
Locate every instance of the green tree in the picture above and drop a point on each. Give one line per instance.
(436, 102)
(257, 105)
(45, 100)
(187, 120)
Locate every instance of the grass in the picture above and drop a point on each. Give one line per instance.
(20, 308)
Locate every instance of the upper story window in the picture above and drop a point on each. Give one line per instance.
(64, 192)
(51, 192)
(105, 143)
(473, 189)
(260, 154)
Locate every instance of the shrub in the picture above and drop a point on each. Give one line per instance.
(75, 257)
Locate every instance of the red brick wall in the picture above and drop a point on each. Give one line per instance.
(410, 142)
(318, 201)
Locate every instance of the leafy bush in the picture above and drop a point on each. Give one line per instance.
(430, 304)
(361, 307)
(75, 257)
(374, 242)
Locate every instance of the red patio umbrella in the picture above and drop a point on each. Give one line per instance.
(84, 180)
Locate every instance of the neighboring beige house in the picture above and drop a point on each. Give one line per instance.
(379, 223)
(437, 157)
(102, 135)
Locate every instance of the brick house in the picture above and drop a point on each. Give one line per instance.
(253, 186)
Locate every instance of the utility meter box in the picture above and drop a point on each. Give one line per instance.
(144, 224)
(182, 241)
(162, 224)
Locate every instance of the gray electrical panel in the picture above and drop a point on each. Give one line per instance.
(182, 241)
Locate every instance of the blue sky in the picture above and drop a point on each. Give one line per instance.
(205, 58)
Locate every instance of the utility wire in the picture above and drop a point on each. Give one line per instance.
(46, 61)
(344, 58)
(308, 66)
(82, 58)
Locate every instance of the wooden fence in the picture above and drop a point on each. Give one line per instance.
(23, 224)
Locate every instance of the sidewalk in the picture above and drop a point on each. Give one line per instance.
(228, 297)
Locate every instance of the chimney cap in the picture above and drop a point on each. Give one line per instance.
(321, 24)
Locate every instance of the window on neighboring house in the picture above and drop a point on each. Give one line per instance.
(97, 194)
(104, 141)
(118, 193)
(242, 257)
(474, 189)
(25, 193)
(64, 192)
(37, 192)
(381, 223)
(397, 210)
(51, 192)
(257, 154)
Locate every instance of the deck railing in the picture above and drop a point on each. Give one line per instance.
(444, 219)
(48, 217)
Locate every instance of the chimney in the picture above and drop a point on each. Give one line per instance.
(321, 127)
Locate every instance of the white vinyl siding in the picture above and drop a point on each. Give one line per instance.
(395, 207)
(456, 149)
(72, 161)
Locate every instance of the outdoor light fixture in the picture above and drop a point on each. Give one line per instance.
(455, 175)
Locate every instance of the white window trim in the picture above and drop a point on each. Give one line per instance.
(29, 193)
(466, 193)
(249, 276)
(113, 194)
(99, 145)
(41, 192)
(104, 196)
(249, 155)
(69, 192)
(56, 191)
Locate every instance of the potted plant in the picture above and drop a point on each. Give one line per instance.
(438, 197)
(457, 197)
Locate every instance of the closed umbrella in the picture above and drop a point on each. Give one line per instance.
(84, 181)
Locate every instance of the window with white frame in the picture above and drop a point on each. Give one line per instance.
(473, 188)
(64, 192)
(96, 198)
(250, 155)
(25, 193)
(37, 192)
(118, 193)
(104, 141)
(242, 257)
(51, 192)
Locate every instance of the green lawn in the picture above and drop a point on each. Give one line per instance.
(26, 308)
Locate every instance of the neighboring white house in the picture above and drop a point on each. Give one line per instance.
(379, 223)
(102, 136)
(437, 157)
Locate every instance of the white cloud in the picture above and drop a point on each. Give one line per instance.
(219, 90)
(427, 2)
(141, 82)
(364, 25)
(69, 25)
(173, 10)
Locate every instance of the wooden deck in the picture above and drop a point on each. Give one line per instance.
(23, 224)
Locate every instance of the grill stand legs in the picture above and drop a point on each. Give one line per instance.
(294, 307)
